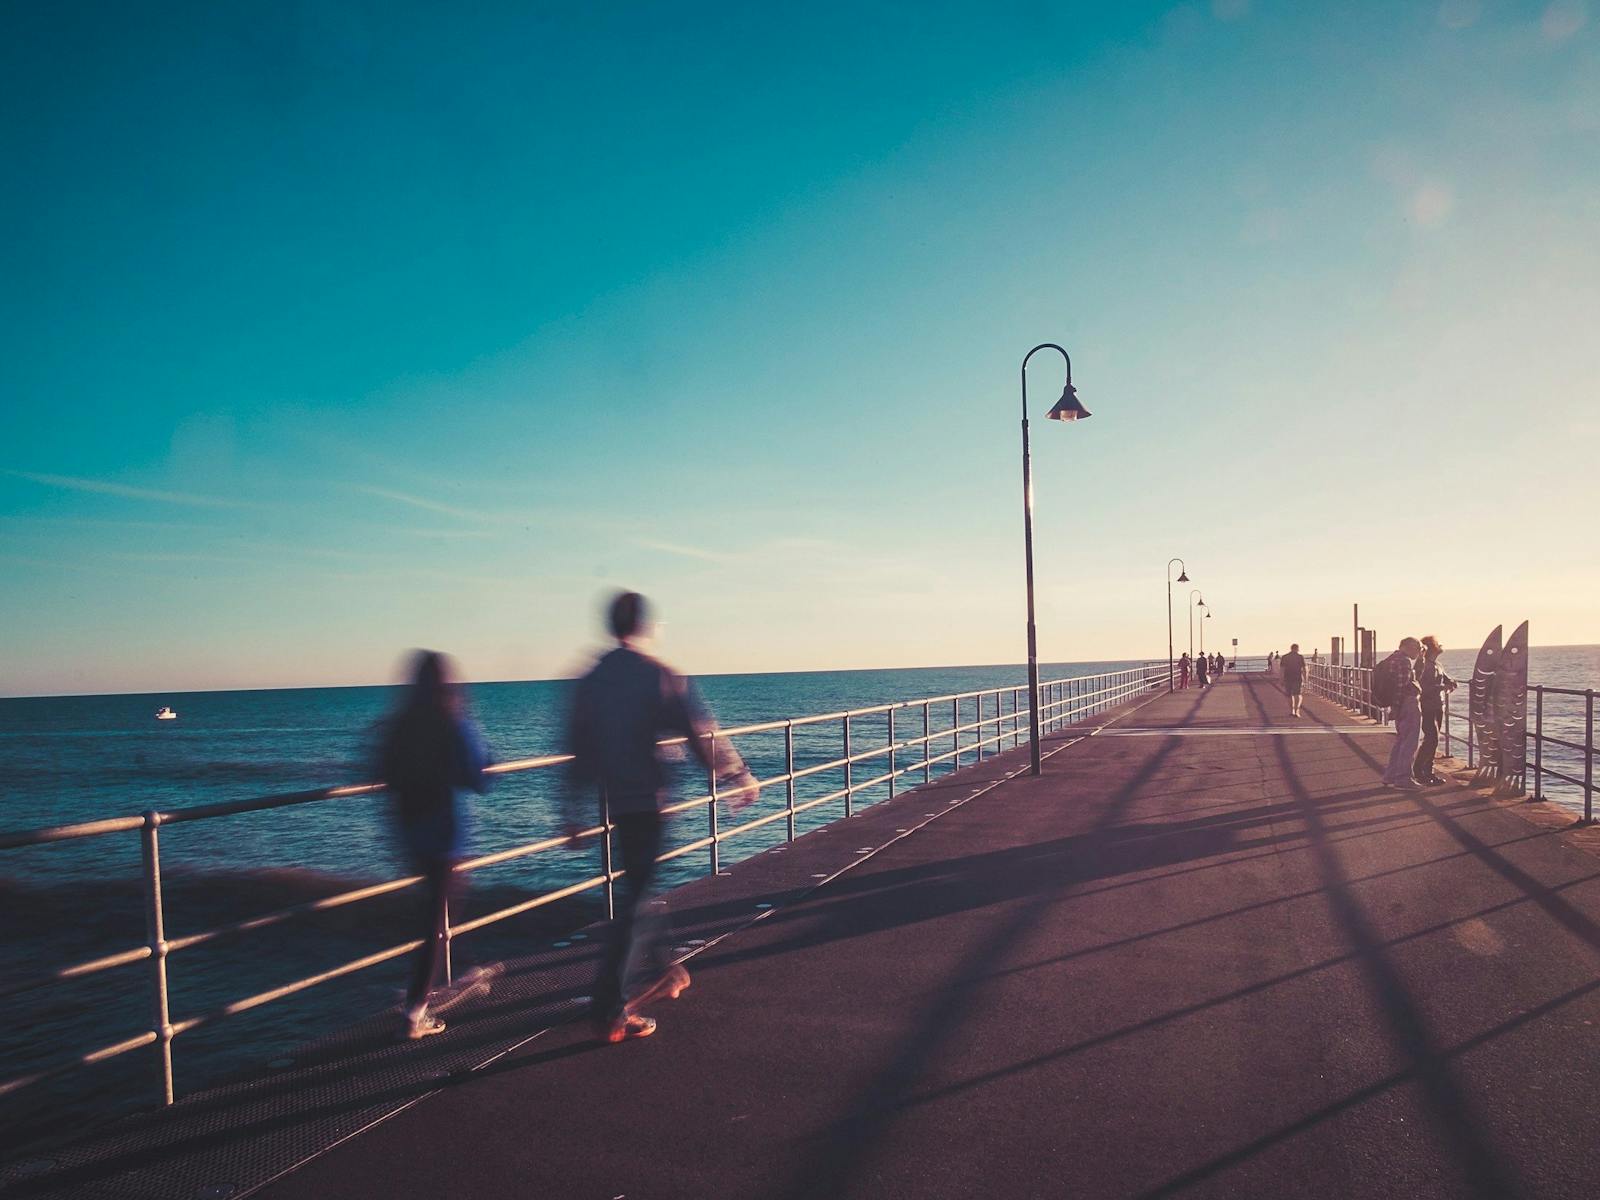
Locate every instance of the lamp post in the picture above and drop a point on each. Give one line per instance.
(1066, 409)
(1183, 577)
(1193, 604)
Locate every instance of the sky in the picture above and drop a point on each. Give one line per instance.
(332, 329)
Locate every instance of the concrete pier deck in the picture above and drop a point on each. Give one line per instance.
(1205, 954)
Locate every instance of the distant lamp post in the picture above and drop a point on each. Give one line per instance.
(1066, 409)
(1183, 577)
(1193, 604)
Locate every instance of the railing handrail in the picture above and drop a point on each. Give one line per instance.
(1069, 697)
(124, 824)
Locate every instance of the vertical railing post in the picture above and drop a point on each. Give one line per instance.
(1588, 756)
(156, 932)
(1469, 736)
(849, 772)
(955, 734)
(448, 936)
(977, 708)
(891, 755)
(788, 771)
(605, 848)
(927, 770)
(1538, 742)
(711, 807)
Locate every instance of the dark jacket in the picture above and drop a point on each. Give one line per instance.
(620, 710)
(425, 759)
(1433, 681)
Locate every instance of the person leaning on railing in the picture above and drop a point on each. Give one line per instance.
(1434, 684)
(621, 709)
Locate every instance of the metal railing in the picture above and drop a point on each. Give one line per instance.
(1352, 688)
(996, 714)
(1349, 687)
(1537, 740)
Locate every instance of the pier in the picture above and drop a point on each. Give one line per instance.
(1204, 953)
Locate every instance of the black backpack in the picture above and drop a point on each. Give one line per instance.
(1385, 688)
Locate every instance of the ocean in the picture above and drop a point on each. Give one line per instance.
(66, 759)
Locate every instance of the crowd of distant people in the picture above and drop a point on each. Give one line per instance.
(1202, 669)
(431, 754)
(1411, 686)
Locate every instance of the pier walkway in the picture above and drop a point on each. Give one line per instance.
(1205, 954)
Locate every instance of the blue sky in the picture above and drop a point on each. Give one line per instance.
(334, 329)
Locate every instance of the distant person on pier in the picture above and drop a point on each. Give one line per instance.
(1183, 671)
(1435, 685)
(429, 753)
(1218, 666)
(626, 704)
(1395, 687)
(1202, 671)
(1294, 678)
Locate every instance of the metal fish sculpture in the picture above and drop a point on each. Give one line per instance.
(1480, 712)
(1510, 707)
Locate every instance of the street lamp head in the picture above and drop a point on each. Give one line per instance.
(1183, 577)
(1067, 408)
(1200, 603)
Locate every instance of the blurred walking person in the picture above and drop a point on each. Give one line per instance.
(1183, 671)
(1435, 685)
(1202, 671)
(429, 753)
(627, 703)
(1294, 678)
(1394, 686)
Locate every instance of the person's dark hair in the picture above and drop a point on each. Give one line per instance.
(418, 746)
(627, 614)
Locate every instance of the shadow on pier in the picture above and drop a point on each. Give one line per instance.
(1204, 954)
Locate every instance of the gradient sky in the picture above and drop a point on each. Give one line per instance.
(332, 329)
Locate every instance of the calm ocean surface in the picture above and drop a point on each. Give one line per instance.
(65, 759)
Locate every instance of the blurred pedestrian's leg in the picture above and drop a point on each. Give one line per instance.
(636, 929)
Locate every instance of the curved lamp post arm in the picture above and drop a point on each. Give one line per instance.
(1041, 346)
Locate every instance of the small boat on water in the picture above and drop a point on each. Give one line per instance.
(165, 714)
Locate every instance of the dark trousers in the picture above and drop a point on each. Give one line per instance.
(1422, 768)
(439, 890)
(634, 940)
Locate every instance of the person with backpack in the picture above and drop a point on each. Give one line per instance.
(430, 751)
(621, 709)
(1395, 687)
(1183, 672)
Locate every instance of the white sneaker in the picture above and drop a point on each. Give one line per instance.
(420, 1026)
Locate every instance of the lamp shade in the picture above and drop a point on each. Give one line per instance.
(1183, 577)
(1067, 408)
